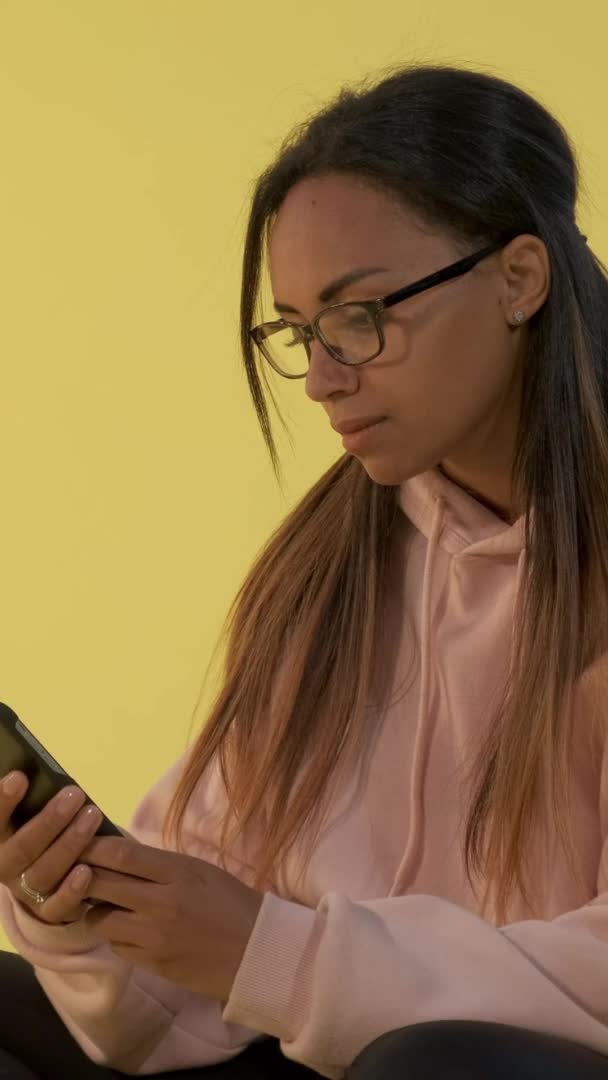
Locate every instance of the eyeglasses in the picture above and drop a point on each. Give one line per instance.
(351, 331)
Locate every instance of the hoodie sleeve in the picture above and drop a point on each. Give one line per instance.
(123, 1016)
(342, 975)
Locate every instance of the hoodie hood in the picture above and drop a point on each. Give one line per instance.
(463, 525)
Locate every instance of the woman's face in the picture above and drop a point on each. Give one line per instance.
(448, 379)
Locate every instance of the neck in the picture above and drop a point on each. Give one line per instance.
(501, 510)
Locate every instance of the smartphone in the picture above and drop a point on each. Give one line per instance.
(20, 749)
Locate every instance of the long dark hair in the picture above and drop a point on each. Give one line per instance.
(481, 158)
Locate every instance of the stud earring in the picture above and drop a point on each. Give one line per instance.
(519, 316)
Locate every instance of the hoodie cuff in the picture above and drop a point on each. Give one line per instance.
(272, 988)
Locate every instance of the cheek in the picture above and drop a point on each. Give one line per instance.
(459, 356)
(439, 382)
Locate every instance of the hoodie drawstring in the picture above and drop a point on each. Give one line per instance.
(423, 728)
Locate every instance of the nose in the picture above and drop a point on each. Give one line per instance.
(326, 375)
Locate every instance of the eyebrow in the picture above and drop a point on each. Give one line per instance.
(336, 287)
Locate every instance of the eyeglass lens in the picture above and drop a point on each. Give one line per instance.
(350, 330)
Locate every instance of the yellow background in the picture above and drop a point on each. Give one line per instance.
(135, 485)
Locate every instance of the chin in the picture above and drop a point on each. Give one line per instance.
(386, 472)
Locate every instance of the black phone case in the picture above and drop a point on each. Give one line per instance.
(21, 750)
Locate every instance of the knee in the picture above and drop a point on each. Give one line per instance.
(473, 1050)
(429, 1051)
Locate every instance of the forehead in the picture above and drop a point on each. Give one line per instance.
(337, 208)
(328, 225)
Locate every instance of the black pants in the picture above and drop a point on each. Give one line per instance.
(36, 1045)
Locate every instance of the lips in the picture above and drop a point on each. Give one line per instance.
(348, 427)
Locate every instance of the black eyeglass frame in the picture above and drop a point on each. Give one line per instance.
(374, 308)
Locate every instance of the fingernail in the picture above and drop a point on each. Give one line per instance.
(69, 800)
(80, 878)
(12, 783)
(89, 819)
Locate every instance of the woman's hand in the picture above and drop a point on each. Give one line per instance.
(186, 919)
(46, 849)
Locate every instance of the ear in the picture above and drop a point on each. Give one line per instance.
(526, 272)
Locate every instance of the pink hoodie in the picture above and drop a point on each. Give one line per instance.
(384, 930)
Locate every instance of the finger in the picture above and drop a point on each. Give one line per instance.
(29, 842)
(12, 789)
(47, 872)
(67, 903)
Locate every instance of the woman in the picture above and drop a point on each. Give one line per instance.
(404, 771)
